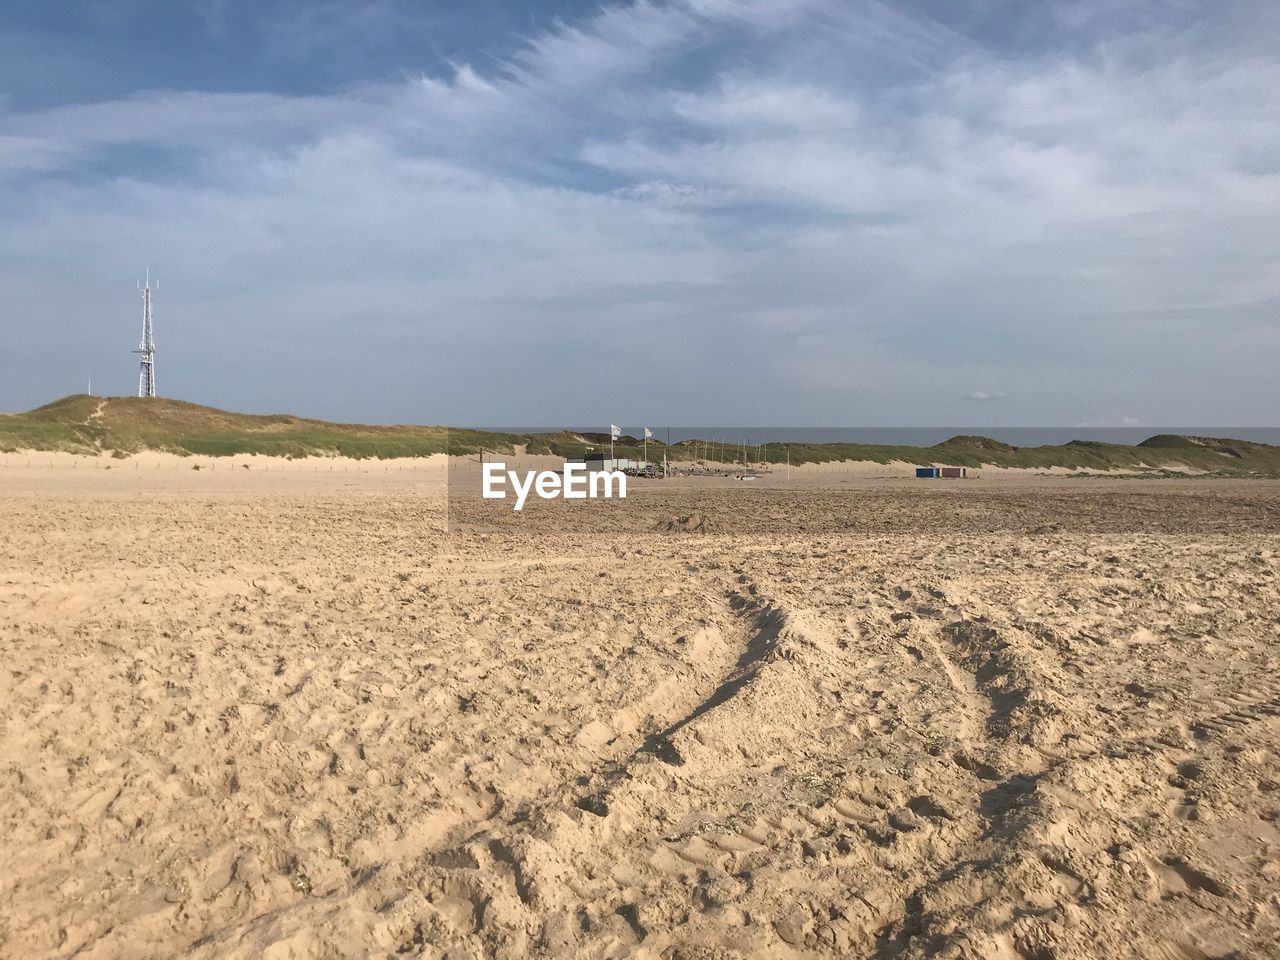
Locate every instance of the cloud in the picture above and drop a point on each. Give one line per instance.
(1111, 422)
(794, 213)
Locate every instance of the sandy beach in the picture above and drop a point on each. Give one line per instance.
(314, 709)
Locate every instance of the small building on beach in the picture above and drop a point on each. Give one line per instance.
(603, 463)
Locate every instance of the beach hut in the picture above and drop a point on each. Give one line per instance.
(598, 462)
(952, 472)
(926, 472)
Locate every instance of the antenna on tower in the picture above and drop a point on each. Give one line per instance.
(147, 348)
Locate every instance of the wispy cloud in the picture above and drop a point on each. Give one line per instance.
(1108, 422)
(787, 212)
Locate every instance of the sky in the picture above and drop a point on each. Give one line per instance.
(764, 212)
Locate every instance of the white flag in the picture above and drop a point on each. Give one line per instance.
(615, 431)
(647, 433)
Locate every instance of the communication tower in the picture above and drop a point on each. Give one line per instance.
(147, 348)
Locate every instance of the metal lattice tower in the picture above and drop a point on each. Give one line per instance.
(147, 348)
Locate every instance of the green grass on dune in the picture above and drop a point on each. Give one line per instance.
(84, 424)
(125, 425)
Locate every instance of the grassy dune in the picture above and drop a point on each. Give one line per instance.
(125, 425)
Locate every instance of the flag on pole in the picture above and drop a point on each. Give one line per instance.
(647, 433)
(615, 431)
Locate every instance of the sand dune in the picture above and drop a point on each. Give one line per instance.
(254, 714)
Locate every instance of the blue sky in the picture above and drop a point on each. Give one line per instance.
(736, 211)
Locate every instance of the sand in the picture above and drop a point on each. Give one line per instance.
(282, 713)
